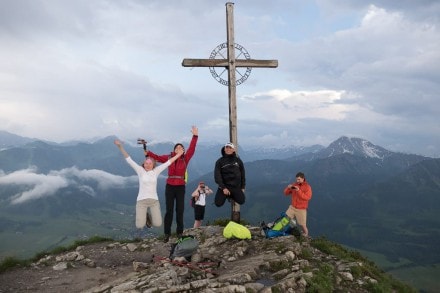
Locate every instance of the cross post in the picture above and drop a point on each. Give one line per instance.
(231, 65)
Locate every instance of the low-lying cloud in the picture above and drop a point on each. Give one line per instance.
(38, 185)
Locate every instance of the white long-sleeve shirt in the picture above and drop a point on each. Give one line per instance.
(147, 179)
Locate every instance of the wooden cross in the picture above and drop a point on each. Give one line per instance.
(231, 64)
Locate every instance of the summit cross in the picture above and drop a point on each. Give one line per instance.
(231, 64)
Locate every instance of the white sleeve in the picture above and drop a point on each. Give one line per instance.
(137, 168)
(162, 167)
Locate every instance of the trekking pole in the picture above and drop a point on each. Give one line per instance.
(143, 142)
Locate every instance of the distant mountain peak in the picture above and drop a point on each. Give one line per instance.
(356, 146)
(8, 139)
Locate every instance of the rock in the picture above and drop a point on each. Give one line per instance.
(60, 266)
(283, 264)
(346, 276)
(131, 247)
(139, 266)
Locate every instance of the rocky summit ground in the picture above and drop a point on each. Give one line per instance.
(219, 265)
(86, 267)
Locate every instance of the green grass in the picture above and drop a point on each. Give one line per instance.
(322, 280)
(37, 235)
(13, 262)
(425, 278)
(335, 249)
(382, 261)
(61, 249)
(386, 283)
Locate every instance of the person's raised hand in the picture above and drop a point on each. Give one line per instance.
(194, 130)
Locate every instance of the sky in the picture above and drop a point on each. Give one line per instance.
(81, 70)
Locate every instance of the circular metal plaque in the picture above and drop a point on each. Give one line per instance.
(221, 52)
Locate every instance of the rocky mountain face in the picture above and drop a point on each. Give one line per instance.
(283, 264)
(353, 146)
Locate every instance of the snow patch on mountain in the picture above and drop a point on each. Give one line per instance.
(358, 146)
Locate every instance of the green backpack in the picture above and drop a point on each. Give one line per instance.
(282, 226)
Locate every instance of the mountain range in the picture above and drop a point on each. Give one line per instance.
(382, 203)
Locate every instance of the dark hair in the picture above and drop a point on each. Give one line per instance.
(177, 144)
(300, 175)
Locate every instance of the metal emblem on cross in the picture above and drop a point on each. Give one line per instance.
(230, 63)
(219, 53)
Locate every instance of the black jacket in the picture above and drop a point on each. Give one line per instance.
(229, 171)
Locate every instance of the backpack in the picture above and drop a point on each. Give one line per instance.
(185, 247)
(192, 201)
(282, 226)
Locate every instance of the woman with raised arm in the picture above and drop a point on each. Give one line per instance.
(176, 183)
(147, 196)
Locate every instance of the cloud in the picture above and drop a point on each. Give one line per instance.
(39, 185)
(85, 69)
(388, 64)
(288, 107)
(383, 57)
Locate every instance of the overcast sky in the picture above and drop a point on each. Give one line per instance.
(84, 69)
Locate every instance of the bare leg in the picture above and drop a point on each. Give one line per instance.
(197, 223)
(305, 230)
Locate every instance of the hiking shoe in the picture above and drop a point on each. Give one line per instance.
(179, 235)
(166, 238)
(293, 223)
(306, 237)
(148, 224)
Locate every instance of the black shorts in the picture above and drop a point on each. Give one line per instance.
(236, 194)
(199, 212)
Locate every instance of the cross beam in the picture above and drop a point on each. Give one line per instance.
(231, 63)
(225, 63)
